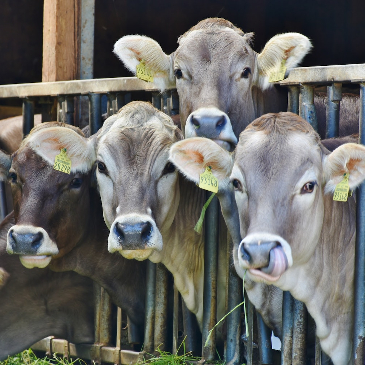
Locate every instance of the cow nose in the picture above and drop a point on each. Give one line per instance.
(257, 254)
(25, 243)
(133, 236)
(208, 126)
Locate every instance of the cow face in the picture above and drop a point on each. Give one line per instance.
(216, 73)
(49, 205)
(281, 174)
(138, 185)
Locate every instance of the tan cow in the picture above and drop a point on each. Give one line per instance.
(296, 236)
(223, 84)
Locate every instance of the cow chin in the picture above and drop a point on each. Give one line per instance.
(139, 255)
(31, 262)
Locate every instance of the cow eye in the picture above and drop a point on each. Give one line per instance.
(308, 187)
(13, 177)
(76, 183)
(169, 168)
(246, 72)
(101, 167)
(178, 73)
(237, 185)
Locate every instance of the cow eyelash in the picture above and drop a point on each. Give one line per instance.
(308, 187)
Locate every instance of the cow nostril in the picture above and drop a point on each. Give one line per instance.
(195, 122)
(119, 231)
(146, 231)
(244, 254)
(221, 122)
(37, 240)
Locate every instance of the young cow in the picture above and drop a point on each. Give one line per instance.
(296, 236)
(58, 216)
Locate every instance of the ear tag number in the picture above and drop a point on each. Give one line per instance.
(342, 189)
(144, 73)
(279, 74)
(207, 181)
(62, 162)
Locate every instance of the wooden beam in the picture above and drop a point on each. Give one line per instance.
(60, 40)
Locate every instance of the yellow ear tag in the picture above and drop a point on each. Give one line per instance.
(62, 162)
(342, 189)
(144, 73)
(278, 75)
(207, 181)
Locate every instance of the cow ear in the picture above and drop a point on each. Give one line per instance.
(288, 47)
(192, 155)
(5, 163)
(132, 49)
(348, 158)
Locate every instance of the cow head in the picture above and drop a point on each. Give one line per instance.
(138, 185)
(217, 74)
(49, 205)
(283, 176)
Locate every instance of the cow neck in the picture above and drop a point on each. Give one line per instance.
(327, 279)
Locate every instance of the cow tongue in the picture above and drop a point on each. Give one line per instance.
(278, 262)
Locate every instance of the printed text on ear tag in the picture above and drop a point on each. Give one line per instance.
(62, 162)
(278, 74)
(342, 189)
(207, 181)
(144, 73)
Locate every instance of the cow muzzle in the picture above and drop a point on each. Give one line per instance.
(211, 123)
(33, 244)
(266, 257)
(134, 236)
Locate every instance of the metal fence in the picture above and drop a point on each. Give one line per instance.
(301, 83)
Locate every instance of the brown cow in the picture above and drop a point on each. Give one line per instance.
(59, 222)
(296, 236)
(39, 303)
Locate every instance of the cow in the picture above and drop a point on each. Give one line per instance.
(223, 84)
(39, 303)
(295, 236)
(58, 216)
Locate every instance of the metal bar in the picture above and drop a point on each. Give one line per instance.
(175, 324)
(293, 99)
(150, 308)
(299, 333)
(317, 355)
(287, 342)
(166, 102)
(334, 96)
(306, 107)
(191, 331)
(249, 340)
(264, 341)
(69, 110)
(61, 109)
(119, 327)
(46, 106)
(234, 319)
(160, 334)
(95, 121)
(134, 333)
(110, 109)
(156, 100)
(122, 99)
(210, 278)
(28, 116)
(359, 302)
(3, 204)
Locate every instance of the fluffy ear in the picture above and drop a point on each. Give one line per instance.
(192, 155)
(5, 163)
(132, 49)
(291, 47)
(349, 158)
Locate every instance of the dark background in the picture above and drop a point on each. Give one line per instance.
(336, 28)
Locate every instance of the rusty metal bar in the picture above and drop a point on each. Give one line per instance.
(334, 96)
(28, 116)
(264, 333)
(306, 107)
(150, 308)
(68, 106)
(210, 278)
(287, 342)
(299, 333)
(359, 300)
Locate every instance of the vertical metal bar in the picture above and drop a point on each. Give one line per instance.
(110, 110)
(264, 341)
(293, 99)
(46, 109)
(210, 278)
(317, 356)
(299, 333)
(156, 100)
(134, 334)
(119, 328)
(359, 302)
(306, 107)
(150, 308)
(191, 331)
(174, 103)
(103, 308)
(175, 325)
(28, 116)
(334, 96)
(160, 334)
(166, 102)
(3, 204)
(287, 342)
(69, 110)
(61, 109)
(249, 341)
(95, 121)
(234, 319)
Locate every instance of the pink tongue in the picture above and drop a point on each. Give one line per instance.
(280, 261)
